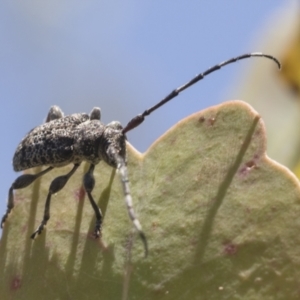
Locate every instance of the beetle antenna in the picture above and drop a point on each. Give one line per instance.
(136, 121)
(128, 200)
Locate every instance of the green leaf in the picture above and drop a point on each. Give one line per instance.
(221, 218)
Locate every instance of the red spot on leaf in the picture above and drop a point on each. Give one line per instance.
(211, 121)
(15, 283)
(247, 167)
(230, 248)
(79, 194)
(201, 119)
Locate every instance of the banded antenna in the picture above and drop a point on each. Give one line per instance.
(137, 120)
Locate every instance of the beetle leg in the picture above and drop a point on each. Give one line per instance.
(21, 182)
(56, 185)
(89, 183)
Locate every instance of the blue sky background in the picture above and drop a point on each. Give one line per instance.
(123, 56)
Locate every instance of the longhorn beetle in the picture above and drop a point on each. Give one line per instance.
(62, 140)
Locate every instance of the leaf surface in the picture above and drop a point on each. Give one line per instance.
(221, 218)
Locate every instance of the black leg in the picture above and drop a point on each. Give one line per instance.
(89, 183)
(56, 185)
(21, 182)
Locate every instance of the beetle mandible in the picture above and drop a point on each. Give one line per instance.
(62, 140)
